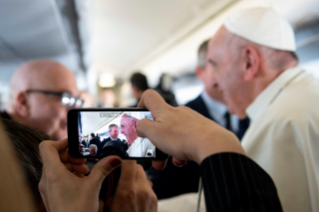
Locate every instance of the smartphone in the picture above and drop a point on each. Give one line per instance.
(97, 133)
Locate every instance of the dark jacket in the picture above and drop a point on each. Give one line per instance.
(234, 182)
(118, 143)
(95, 141)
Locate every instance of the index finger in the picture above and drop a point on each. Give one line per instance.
(152, 101)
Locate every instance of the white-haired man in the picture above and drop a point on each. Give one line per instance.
(93, 150)
(138, 147)
(253, 60)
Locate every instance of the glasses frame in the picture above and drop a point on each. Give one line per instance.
(62, 95)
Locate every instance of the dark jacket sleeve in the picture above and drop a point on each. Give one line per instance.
(233, 182)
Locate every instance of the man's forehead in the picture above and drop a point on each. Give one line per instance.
(217, 45)
(53, 77)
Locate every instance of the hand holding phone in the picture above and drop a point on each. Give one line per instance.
(183, 133)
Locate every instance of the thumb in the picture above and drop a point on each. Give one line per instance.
(103, 168)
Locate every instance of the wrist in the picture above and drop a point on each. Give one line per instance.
(227, 142)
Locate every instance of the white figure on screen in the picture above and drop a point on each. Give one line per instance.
(138, 147)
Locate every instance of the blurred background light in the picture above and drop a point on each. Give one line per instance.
(107, 80)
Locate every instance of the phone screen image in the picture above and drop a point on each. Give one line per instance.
(103, 133)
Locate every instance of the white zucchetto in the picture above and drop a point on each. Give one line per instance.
(263, 26)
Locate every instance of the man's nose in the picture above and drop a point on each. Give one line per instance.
(214, 79)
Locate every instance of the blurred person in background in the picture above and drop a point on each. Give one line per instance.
(93, 150)
(164, 88)
(95, 139)
(139, 85)
(84, 141)
(174, 181)
(254, 64)
(107, 98)
(41, 93)
(88, 99)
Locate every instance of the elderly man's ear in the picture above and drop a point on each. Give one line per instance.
(135, 122)
(21, 104)
(251, 63)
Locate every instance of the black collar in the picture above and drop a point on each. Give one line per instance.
(5, 115)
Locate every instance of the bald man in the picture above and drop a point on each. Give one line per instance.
(41, 93)
(253, 63)
(138, 147)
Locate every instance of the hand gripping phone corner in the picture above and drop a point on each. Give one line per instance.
(97, 133)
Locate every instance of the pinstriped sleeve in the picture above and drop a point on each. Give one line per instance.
(233, 182)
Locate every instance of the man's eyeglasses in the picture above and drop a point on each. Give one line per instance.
(67, 99)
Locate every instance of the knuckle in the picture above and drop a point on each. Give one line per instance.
(144, 194)
(128, 195)
(104, 170)
(153, 198)
(44, 145)
(183, 107)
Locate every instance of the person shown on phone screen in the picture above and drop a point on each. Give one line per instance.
(138, 147)
(93, 150)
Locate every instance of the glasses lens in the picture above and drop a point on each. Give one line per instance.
(79, 102)
(65, 100)
(72, 101)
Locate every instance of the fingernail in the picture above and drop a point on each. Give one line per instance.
(181, 164)
(115, 162)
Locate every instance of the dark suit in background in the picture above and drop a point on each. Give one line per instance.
(199, 106)
(234, 182)
(95, 141)
(85, 143)
(122, 146)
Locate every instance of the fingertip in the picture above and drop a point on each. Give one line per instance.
(104, 167)
(115, 162)
(178, 162)
(159, 165)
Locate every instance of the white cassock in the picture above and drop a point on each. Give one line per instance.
(283, 138)
(141, 147)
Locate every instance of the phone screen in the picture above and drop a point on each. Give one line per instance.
(103, 133)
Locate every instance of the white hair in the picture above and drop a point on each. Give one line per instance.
(273, 58)
(93, 145)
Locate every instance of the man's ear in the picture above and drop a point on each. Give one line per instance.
(199, 73)
(251, 63)
(135, 122)
(21, 104)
